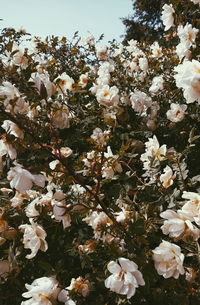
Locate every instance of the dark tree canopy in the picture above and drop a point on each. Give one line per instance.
(145, 23)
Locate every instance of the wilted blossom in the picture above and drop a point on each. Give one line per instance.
(176, 113)
(5, 268)
(168, 260)
(34, 238)
(22, 180)
(125, 277)
(167, 16)
(99, 136)
(42, 291)
(188, 78)
(79, 285)
(179, 225)
(98, 221)
(60, 116)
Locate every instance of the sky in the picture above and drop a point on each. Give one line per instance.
(65, 17)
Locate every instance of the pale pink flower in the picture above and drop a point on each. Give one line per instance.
(167, 178)
(42, 291)
(64, 82)
(168, 260)
(22, 180)
(167, 16)
(179, 225)
(108, 96)
(176, 113)
(188, 78)
(125, 277)
(12, 128)
(34, 238)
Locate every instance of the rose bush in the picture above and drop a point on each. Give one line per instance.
(99, 164)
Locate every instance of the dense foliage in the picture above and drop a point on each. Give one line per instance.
(100, 172)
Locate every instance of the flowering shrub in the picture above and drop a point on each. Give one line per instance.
(99, 165)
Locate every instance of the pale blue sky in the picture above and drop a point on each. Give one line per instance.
(64, 17)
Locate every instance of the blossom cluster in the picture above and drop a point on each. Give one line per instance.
(99, 165)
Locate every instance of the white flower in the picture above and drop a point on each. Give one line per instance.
(83, 80)
(125, 277)
(89, 40)
(7, 149)
(9, 90)
(196, 2)
(19, 59)
(63, 297)
(176, 112)
(168, 260)
(64, 83)
(157, 84)
(167, 16)
(140, 102)
(188, 78)
(22, 180)
(43, 291)
(111, 166)
(13, 129)
(34, 238)
(192, 207)
(133, 48)
(77, 189)
(123, 216)
(101, 52)
(179, 225)
(30, 209)
(79, 285)
(42, 79)
(167, 178)
(143, 63)
(183, 51)
(108, 96)
(59, 212)
(156, 50)
(153, 151)
(187, 34)
(118, 50)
